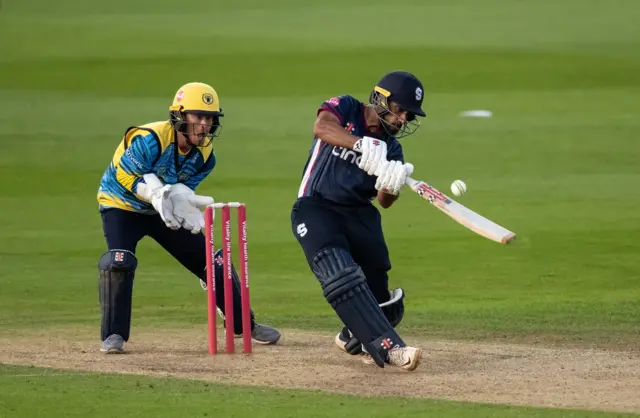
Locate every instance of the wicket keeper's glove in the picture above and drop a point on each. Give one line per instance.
(153, 191)
(187, 207)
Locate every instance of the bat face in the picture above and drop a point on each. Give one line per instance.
(466, 217)
(430, 193)
(461, 214)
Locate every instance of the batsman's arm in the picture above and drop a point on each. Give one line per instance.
(328, 128)
(386, 200)
(395, 153)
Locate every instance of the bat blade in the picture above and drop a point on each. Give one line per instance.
(463, 215)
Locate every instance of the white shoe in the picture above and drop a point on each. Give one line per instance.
(340, 342)
(364, 356)
(407, 358)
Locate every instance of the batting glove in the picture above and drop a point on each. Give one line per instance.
(392, 177)
(374, 153)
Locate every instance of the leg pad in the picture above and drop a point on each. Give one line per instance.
(115, 291)
(345, 288)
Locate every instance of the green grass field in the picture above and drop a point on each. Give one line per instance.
(143, 397)
(557, 164)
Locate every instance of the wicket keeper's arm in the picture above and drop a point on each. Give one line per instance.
(193, 181)
(131, 161)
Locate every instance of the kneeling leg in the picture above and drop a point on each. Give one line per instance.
(345, 288)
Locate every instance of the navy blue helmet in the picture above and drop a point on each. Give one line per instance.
(406, 91)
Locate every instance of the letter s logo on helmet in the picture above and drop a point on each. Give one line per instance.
(406, 90)
(199, 99)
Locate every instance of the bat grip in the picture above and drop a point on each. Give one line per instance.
(408, 181)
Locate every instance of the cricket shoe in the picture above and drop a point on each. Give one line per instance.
(407, 358)
(114, 344)
(341, 341)
(263, 334)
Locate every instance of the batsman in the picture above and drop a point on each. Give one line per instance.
(148, 189)
(355, 157)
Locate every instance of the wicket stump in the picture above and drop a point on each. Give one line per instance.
(209, 217)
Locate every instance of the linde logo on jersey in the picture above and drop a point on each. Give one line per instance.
(346, 154)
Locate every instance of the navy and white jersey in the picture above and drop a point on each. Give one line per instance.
(332, 172)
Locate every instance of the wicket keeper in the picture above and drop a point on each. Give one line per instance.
(355, 157)
(148, 189)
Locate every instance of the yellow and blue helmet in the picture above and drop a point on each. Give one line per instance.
(199, 99)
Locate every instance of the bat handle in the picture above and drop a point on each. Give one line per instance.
(410, 181)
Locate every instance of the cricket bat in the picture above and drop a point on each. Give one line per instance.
(465, 216)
